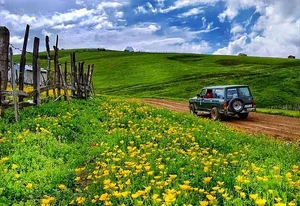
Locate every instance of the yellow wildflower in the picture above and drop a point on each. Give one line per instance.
(211, 198)
(104, 197)
(207, 180)
(62, 187)
(156, 198)
(260, 202)
(203, 203)
(128, 182)
(29, 185)
(14, 166)
(3, 159)
(237, 188)
(253, 196)
(172, 177)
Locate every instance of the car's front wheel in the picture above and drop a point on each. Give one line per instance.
(243, 115)
(214, 114)
(192, 109)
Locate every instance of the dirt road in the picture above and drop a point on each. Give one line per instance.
(284, 128)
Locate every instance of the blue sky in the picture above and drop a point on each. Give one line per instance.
(254, 27)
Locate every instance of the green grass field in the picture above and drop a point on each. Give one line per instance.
(113, 152)
(274, 81)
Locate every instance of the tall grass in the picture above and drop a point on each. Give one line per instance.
(114, 152)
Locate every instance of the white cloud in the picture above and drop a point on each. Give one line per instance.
(192, 12)
(233, 47)
(276, 32)
(119, 14)
(16, 40)
(229, 13)
(80, 2)
(63, 26)
(140, 9)
(46, 33)
(236, 28)
(108, 4)
(143, 37)
(178, 4)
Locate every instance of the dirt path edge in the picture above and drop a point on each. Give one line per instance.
(279, 127)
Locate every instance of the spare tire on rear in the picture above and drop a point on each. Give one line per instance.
(236, 105)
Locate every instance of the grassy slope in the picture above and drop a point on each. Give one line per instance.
(274, 81)
(50, 142)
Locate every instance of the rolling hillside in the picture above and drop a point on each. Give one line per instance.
(274, 81)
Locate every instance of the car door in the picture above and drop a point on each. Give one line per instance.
(199, 101)
(218, 97)
(207, 102)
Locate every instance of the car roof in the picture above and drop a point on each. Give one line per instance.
(224, 86)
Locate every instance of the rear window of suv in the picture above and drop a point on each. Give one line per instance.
(238, 92)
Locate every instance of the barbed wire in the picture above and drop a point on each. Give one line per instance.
(16, 48)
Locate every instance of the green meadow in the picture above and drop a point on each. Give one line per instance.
(274, 81)
(112, 151)
(108, 151)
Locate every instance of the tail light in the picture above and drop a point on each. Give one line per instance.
(225, 106)
(254, 102)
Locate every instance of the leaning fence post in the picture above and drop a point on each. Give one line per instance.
(36, 71)
(23, 62)
(48, 63)
(4, 50)
(13, 84)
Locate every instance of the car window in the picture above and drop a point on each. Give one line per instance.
(203, 92)
(232, 93)
(244, 92)
(218, 93)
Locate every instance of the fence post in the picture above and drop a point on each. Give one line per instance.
(23, 62)
(36, 71)
(13, 84)
(48, 63)
(4, 50)
(73, 60)
(57, 78)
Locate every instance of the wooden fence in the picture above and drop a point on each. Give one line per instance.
(71, 77)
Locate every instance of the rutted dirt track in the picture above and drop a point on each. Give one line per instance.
(285, 128)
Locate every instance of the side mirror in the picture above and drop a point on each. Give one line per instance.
(198, 95)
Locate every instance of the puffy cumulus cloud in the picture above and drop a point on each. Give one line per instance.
(276, 32)
(16, 40)
(236, 28)
(233, 47)
(192, 12)
(141, 36)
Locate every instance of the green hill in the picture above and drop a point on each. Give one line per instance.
(274, 81)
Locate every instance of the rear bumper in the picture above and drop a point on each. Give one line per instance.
(245, 110)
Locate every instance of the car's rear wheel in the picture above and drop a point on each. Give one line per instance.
(192, 109)
(243, 115)
(236, 105)
(214, 114)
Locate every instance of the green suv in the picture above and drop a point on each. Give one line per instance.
(220, 101)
